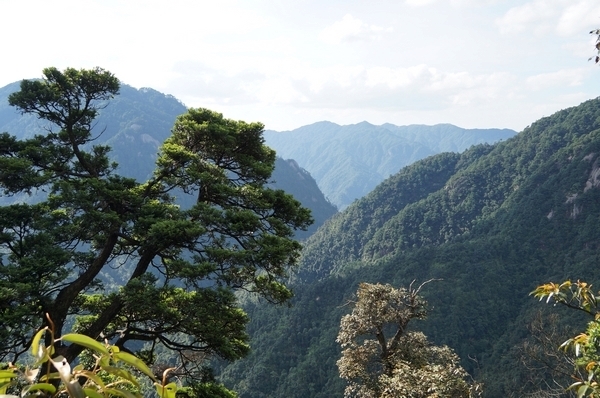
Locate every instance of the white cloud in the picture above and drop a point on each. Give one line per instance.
(279, 91)
(352, 29)
(578, 17)
(343, 87)
(561, 78)
(301, 93)
(485, 89)
(455, 3)
(418, 3)
(563, 17)
(534, 14)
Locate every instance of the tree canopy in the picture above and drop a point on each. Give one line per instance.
(382, 358)
(176, 268)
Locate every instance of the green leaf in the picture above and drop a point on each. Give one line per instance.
(581, 390)
(85, 341)
(134, 361)
(104, 361)
(167, 391)
(35, 345)
(5, 383)
(50, 376)
(91, 393)
(7, 374)
(40, 386)
(120, 393)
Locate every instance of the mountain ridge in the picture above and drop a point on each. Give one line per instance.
(349, 161)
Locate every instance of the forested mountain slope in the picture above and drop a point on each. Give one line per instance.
(136, 122)
(295, 180)
(349, 161)
(491, 224)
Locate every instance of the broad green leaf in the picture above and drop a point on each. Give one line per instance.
(581, 391)
(40, 386)
(85, 341)
(7, 374)
(91, 393)
(120, 393)
(114, 384)
(134, 361)
(50, 376)
(168, 391)
(77, 368)
(35, 345)
(4, 386)
(104, 361)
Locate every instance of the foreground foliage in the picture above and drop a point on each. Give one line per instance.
(382, 358)
(110, 375)
(105, 372)
(585, 346)
(178, 267)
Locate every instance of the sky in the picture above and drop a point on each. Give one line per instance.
(289, 63)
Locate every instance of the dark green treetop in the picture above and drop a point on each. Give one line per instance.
(178, 267)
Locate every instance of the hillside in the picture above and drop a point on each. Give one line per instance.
(349, 161)
(295, 180)
(491, 224)
(136, 122)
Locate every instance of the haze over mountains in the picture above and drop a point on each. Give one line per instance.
(349, 161)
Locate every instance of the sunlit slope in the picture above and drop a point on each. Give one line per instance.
(489, 225)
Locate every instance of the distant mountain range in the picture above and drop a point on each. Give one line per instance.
(349, 161)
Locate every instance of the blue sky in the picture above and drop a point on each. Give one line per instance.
(473, 63)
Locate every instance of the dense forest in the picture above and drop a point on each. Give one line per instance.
(490, 224)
